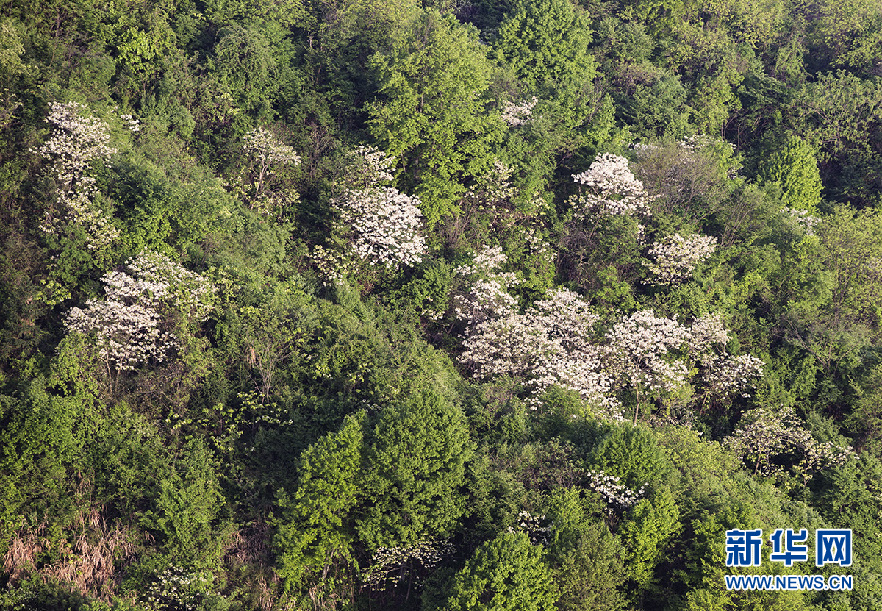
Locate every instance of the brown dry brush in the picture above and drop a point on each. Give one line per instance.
(89, 557)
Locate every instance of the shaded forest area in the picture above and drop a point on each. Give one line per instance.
(387, 305)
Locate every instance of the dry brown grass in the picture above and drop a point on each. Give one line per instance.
(249, 557)
(89, 555)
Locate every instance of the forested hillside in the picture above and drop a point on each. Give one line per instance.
(387, 305)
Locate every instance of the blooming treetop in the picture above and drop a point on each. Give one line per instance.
(550, 344)
(380, 225)
(128, 323)
(611, 189)
(265, 150)
(366, 167)
(481, 292)
(386, 224)
(555, 343)
(765, 433)
(640, 351)
(614, 493)
(77, 140)
(515, 114)
(676, 256)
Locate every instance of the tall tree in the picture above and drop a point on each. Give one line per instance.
(431, 113)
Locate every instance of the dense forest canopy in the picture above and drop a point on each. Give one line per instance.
(454, 304)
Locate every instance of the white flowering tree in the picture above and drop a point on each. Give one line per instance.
(78, 141)
(676, 256)
(265, 152)
(131, 325)
(385, 224)
(556, 342)
(644, 353)
(480, 291)
(653, 354)
(765, 434)
(548, 345)
(611, 489)
(602, 243)
(610, 188)
(518, 113)
(376, 223)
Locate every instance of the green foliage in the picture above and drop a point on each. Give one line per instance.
(659, 110)
(316, 528)
(245, 67)
(415, 468)
(850, 495)
(586, 558)
(432, 112)
(632, 453)
(505, 573)
(646, 532)
(546, 44)
(305, 438)
(185, 515)
(794, 168)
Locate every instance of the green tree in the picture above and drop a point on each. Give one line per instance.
(414, 470)
(647, 530)
(505, 574)
(586, 558)
(315, 530)
(795, 169)
(431, 113)
(186, 509)
(545, 44)
(245, 67)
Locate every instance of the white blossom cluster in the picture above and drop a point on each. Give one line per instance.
(389, 564)
(264, 150)
(555, 343)
(331, 263)
(640, 351)
(612, 189)
(481, 292)
(515, 114)
(127, 325)
(176, 588)
(488, 261)
(188, 292)
(535, 526)
(706, 332)
(539, 246)
(131, 123)
(550, 344)
(127, 335)
(386, 225)
(728, 374)
(802, 219)
(676, 256)
(77, 140)
(612, 490)
(381, 225)
(765, 434)
(267, 149)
